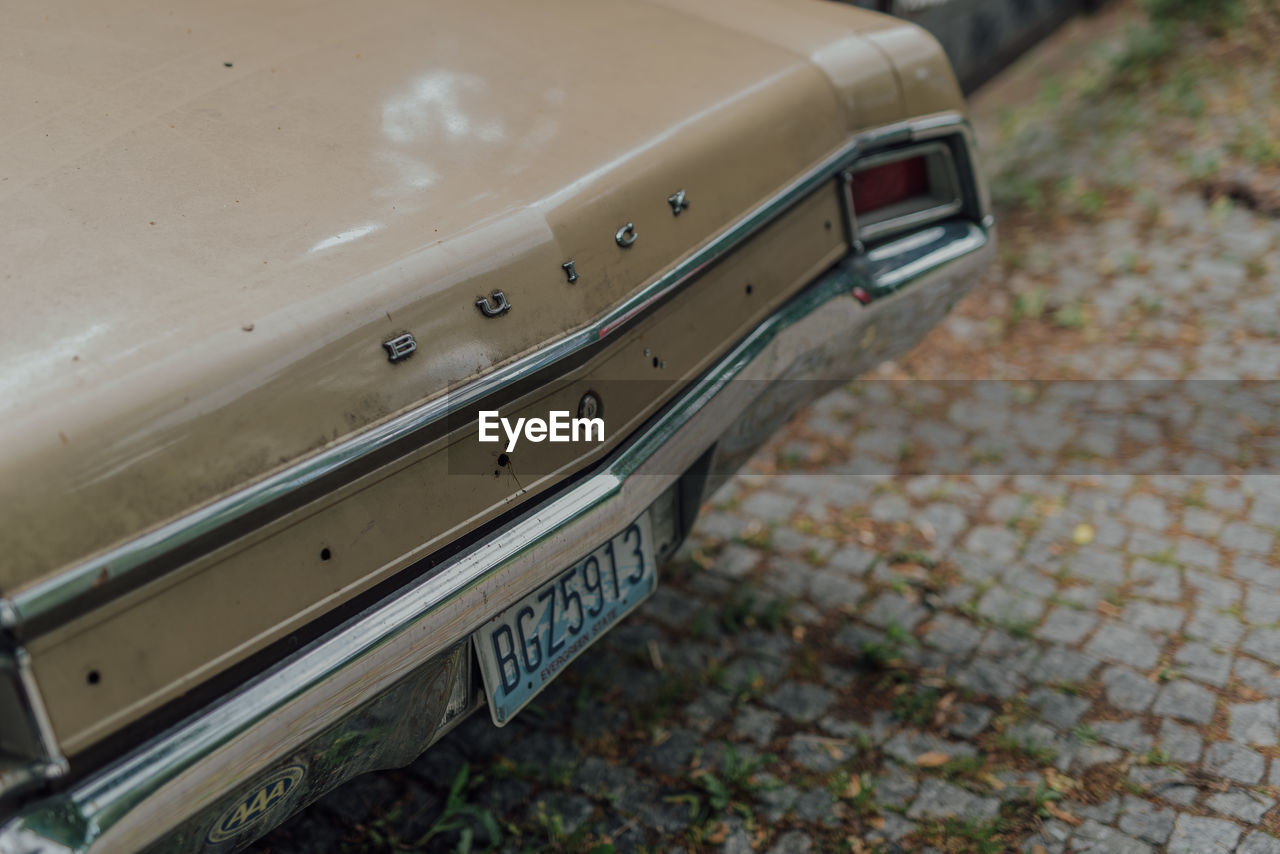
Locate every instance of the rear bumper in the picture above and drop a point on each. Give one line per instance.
(381, 688)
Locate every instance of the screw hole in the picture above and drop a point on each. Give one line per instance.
(503, 459)
(325, 554)
(749, 290)
(655, 361)
(93, 677)
(827, 225)
(497, 472)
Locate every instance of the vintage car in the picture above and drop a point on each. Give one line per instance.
(280, 283)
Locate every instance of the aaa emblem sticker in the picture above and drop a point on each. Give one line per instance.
(255, 805)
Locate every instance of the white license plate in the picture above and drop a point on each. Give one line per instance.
(526, 646)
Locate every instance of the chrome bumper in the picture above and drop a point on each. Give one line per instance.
(381, 688)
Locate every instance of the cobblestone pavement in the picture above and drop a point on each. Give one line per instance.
(888, 634)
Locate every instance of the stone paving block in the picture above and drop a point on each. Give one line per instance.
(1060, 664)
(829, 590)
(1186, 701)
(1204, 663)
(1127, 734)
(1147, 510)
(1147, 543)
(1255, 723)
(1127, 689)
(1212, 625)
(1263, 678)
(768, 506)
(1003, 607)
(895, 787)
(1159, 618)
(1197, 835)
(852, 560)
(1259, 572)
(802, 702)
(756, 725)
(954, 634)
(968, 719)
(1099, 565)
(1164, 782)
(1146, 820)
(894, 609)
(775, 798)
(999, 544)
(1259, 842)
(937, 799)
(1240, 537)
(1057, 709)
(1066, 625)
(1212, 589)
(1235, 762)
(818, 753)
(1125, 645)
(1156, 580)
(1093, 837)
(907, 745)
(793, 842)
(1261, 607)
(1200, 522)
(1193, 552)
(1264, 644)
(1180, 743)
(736, 561)
(1242, 804)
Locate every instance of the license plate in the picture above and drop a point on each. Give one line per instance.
(526, 646)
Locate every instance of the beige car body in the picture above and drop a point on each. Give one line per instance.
(214, 216)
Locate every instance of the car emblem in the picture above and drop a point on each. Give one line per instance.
(626, 235)
(570, 271)
(401, 347)
(255, 806)
(589, 406)
(498, 307)
(678, 202)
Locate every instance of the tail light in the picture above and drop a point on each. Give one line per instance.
(888, 193)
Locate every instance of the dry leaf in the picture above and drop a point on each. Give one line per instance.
(1037, 848)
(720, 834)
(876, 822)
(1062, 815)
(854, 788)
(1083, 534)
(932, 759)
(1108, 610)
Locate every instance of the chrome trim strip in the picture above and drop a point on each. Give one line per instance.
(79, 581)
(185, 770)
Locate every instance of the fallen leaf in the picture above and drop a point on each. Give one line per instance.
(720, 834)
(854, 788)
(1109, 610)
(1062, 815)
(875, 822)
(1036, 848)
(932, 759)
(1083, 534)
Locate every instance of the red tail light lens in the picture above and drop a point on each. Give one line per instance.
(881, 186)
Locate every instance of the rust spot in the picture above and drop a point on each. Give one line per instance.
(103, 576)
(63, 437)
(153, 222)
(248, 327)
(75, 358)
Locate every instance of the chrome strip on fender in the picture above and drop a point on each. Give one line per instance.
(78, 581)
